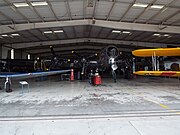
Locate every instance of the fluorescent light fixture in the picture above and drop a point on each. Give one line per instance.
(157, 6)
(166, 35)
(126, 32)
(58, 31)
(156, 34)
(116, 31)
(20, 4)
(5, 35)
(140, 5)
(43, 3)
(47, 32)
(15, 34)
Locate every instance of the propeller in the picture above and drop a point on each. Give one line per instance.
(108, 58)
(112, 51)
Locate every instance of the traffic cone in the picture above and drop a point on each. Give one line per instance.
(72, 75)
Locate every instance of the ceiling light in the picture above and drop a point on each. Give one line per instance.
(126, 32)
(47, 32)
(39, 3)
(166, 35)
(20, 4)
(116, 31)
(157, 6)
(15, 34)
(5, 35)
(58, 31)
(140, 5)
(156, 34)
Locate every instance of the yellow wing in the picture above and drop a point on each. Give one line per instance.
(157, 52)
(159, 73)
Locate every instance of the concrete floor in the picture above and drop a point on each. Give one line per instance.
(140, 106)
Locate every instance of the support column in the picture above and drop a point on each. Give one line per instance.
(0, 51)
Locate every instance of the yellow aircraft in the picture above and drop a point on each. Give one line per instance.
(155, 63)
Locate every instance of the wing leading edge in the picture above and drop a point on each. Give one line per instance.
(33, 74)
(159, 73)
(157, 52)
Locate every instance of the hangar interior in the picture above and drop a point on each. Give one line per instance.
(65, 32)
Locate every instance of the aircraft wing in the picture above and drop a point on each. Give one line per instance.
(158, 73)
(33, 74)
(157, 52)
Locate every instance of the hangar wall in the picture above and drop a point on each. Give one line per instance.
(0, 52)
(18, 54)
(4, 52)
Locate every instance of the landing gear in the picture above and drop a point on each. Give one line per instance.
(113, 68)
(114, 75)
(8, 85)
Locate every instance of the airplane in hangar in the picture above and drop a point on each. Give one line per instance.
(16, 65)
(23, 68)
(154, 53)
(107, 59)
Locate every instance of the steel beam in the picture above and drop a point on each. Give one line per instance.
(70, 48)
(170, 16)
(94, 10)
(145, 9)
(7, 17)
(107, 18)
(68, 9)
(84, 8)
(16, 10)
(52, 10)
(130, 6)
(100, 23)
(34, 10)
(90, 40)
(161, 10)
